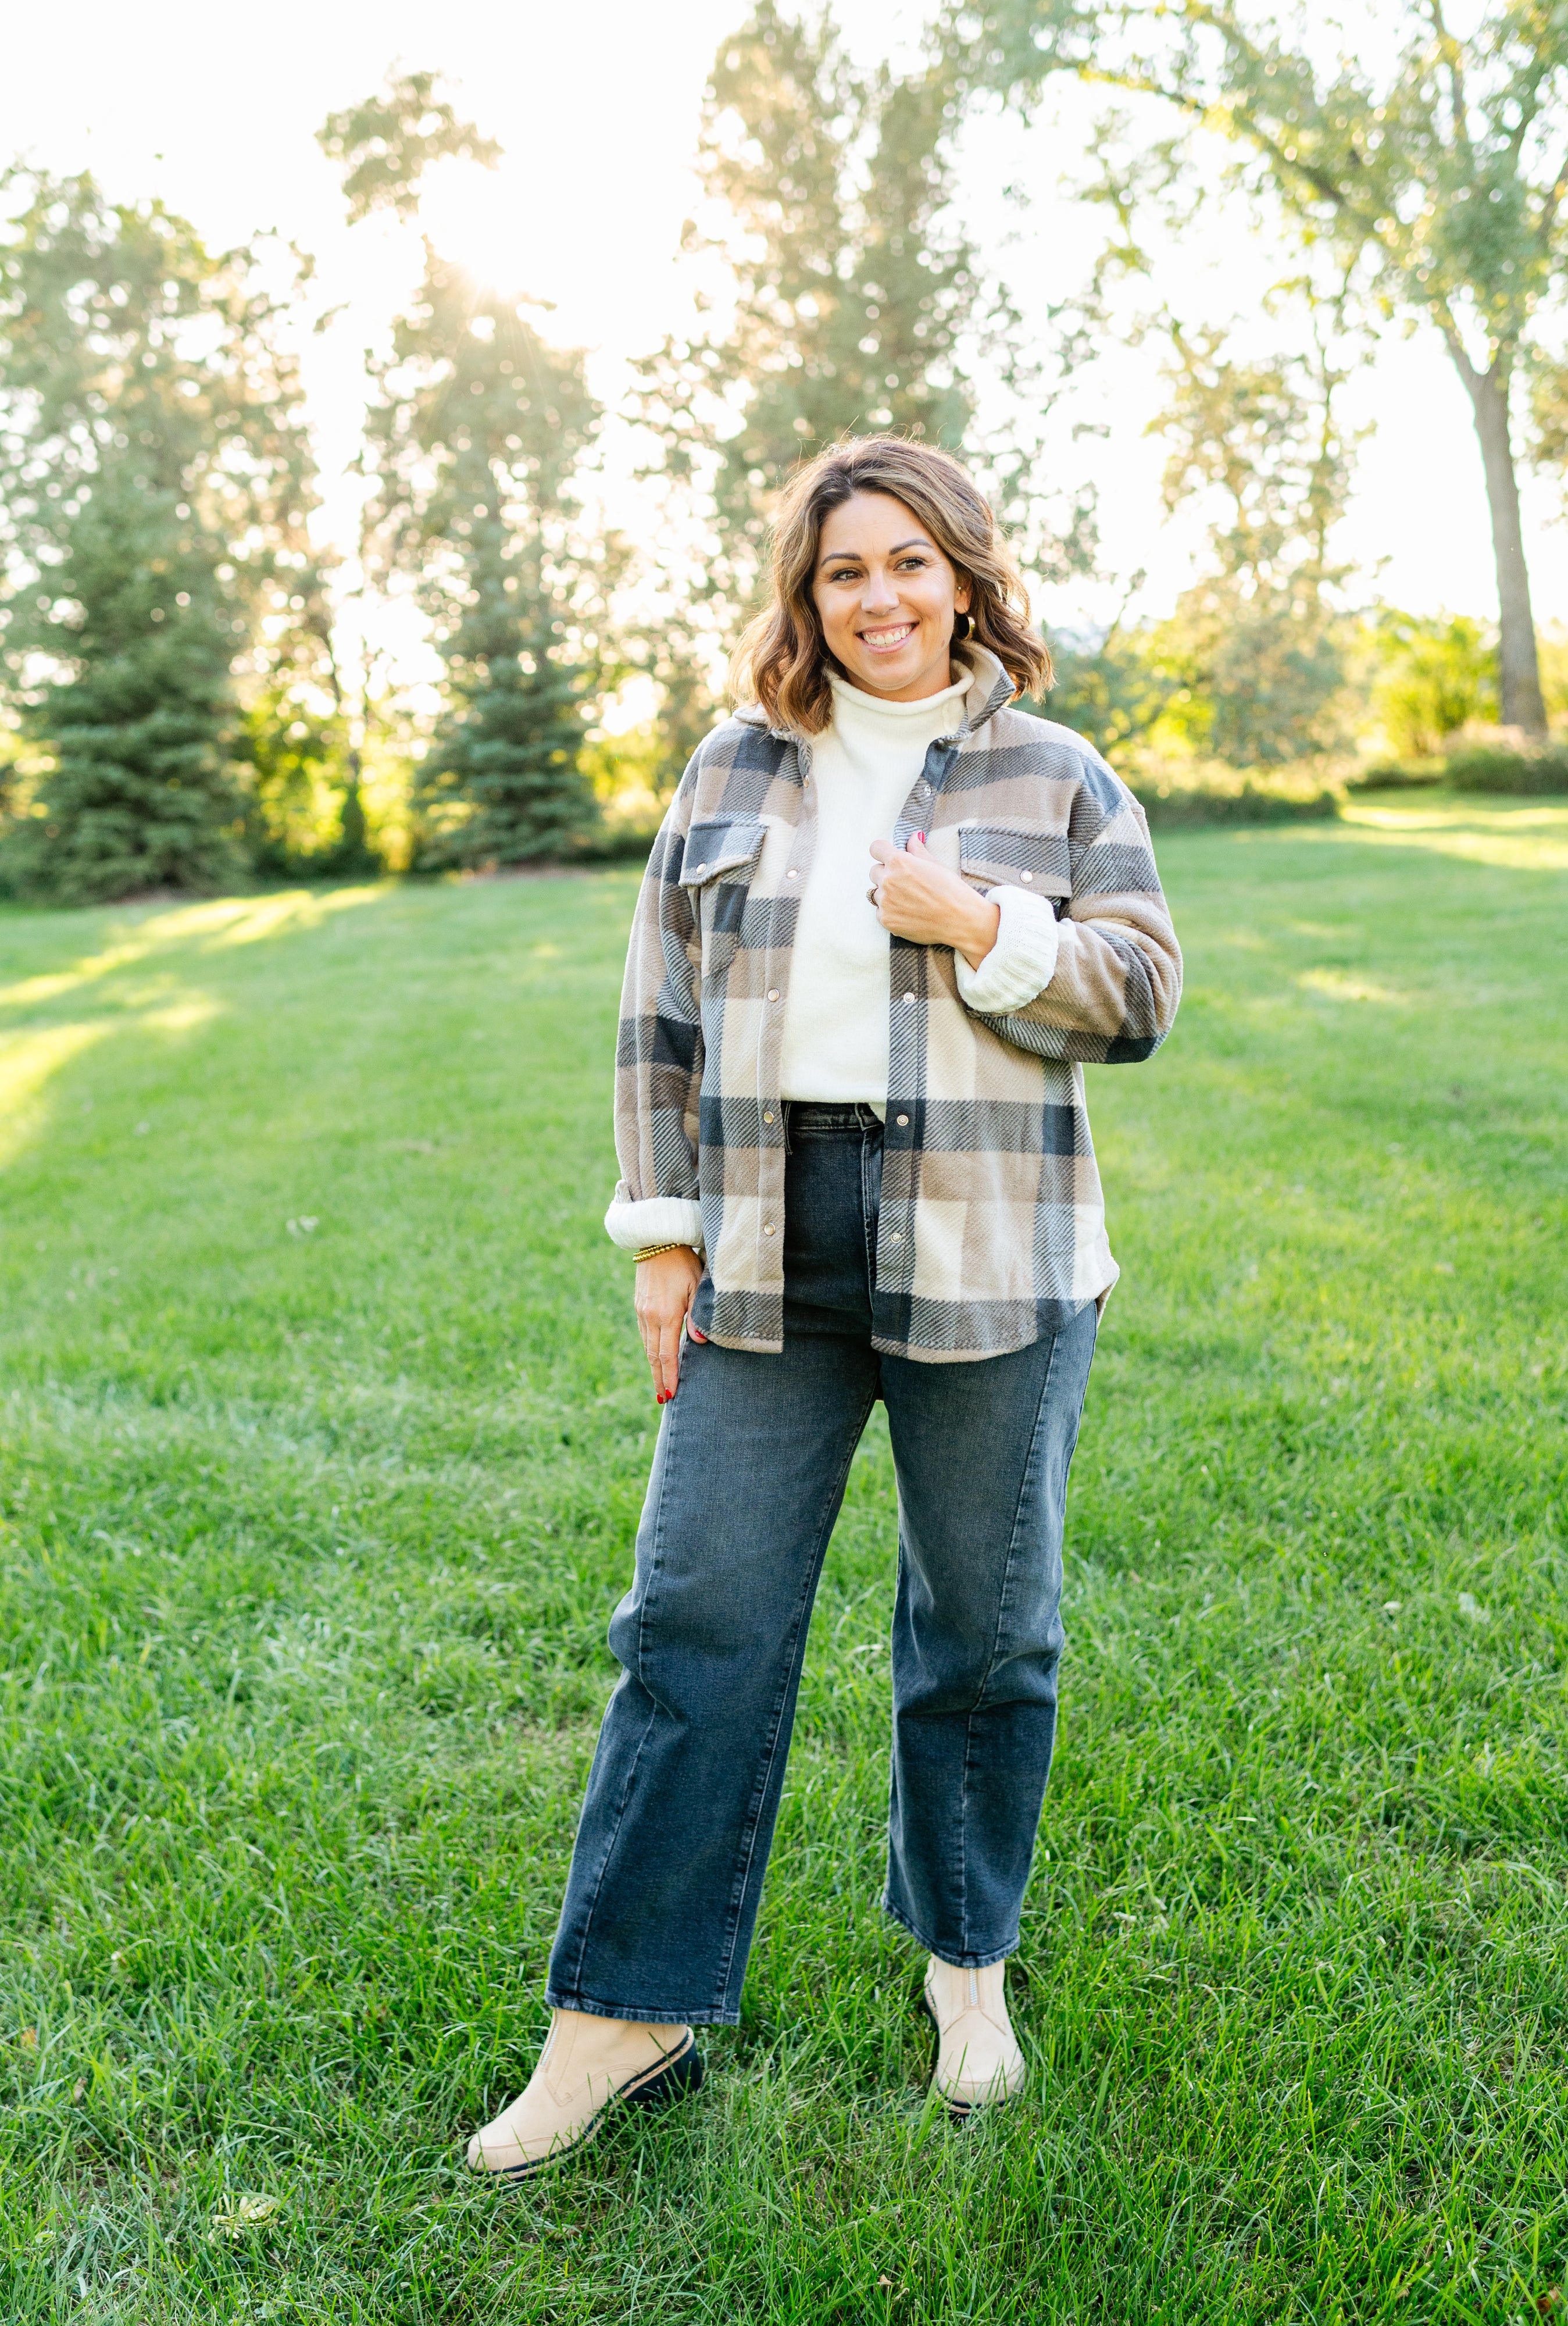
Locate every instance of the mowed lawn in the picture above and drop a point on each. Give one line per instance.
(325, 1432)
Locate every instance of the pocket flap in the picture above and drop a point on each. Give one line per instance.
(715, 848)
(1029, 854)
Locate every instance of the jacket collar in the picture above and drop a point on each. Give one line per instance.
(990, 690)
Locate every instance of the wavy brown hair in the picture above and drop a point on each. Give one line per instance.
(783, 661)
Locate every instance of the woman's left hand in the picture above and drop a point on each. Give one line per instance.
(918, 898)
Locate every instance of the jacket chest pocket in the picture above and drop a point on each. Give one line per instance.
(1017, 855)
(716, 872)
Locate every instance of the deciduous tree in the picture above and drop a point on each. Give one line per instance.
(839, 295)
(384, 145)
(1438, 176)
(1256, 645)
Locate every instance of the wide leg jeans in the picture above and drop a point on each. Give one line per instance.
(746, 1482)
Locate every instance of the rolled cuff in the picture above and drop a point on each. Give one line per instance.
(1020, 964)
(657, 1219)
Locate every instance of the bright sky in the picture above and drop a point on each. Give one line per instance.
(596, 103)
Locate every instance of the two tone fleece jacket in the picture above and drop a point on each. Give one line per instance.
(991, 1231)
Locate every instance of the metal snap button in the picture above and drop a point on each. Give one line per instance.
(768, 1229)
(908, 997)
(792, 874)
(767, 1116)
(904, 1119)
(1025, 876)
(897, 1237)
(773, 993)
(700, 871)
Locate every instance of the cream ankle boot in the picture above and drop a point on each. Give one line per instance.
(978, 2056)
(586, 2067)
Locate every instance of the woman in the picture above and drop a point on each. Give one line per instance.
(886, 919)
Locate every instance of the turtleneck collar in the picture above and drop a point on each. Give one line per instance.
(930, 716)
(982, 680)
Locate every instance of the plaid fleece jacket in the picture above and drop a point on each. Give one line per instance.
(992, 1225)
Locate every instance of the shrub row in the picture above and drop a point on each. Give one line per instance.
(1493, 767)
(1171, 810)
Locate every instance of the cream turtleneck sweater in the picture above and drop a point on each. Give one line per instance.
(835, 1030)
(864, 767)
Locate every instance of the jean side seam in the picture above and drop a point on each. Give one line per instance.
(1030, 1472)
(609, 1847)
(642, 1741)
(754, 1817)
(963, 1849)
(1004, 1599)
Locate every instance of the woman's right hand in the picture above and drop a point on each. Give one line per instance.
(665, 1286)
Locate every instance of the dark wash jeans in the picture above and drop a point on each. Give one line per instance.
(746, 1482)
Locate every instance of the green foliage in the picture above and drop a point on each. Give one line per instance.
(1176, 807)
(1109, 687)
(154, 480)
(503, 783)
(1254, 647)
(1250, 681)
(326, 1432)
(1495, 768)
(677, 657)
(472, 445)
(306, 809)
(1259, 676)
(1429, 160)
(1435, 673)
(384, 145)
(847, 308)
(848, 292)
(629, 775)
(140, 725)
(1266, 440)
(1251, 667)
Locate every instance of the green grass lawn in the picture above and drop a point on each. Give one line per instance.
(325, 1432)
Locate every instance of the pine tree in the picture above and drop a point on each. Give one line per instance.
(501, 784)
(473, 442)
(155, 477)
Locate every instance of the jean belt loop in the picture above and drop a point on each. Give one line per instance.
(784, 1105)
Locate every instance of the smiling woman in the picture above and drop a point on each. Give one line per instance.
(881, 564)
(855, 1165)
(890, 608)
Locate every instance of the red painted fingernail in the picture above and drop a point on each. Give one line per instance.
(921, 837)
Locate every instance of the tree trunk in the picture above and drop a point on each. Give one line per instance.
(1519, 667)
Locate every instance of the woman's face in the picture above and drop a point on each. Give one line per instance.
(887, 597)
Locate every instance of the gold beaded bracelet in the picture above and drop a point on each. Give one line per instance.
(652, 1250)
